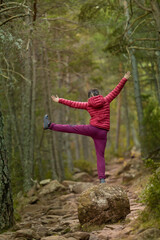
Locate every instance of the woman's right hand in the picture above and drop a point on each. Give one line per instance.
(127, 75)
(55, 98)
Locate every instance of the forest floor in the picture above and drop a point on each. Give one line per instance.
(55, 216)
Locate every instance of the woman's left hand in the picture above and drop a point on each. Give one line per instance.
(55, 98)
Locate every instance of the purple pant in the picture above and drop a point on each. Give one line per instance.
(99, 137)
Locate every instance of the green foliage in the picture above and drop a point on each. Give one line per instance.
(84, 165)
(147, 219)
(150, 163)
(152, 124)
(151, 194)
(68, 174)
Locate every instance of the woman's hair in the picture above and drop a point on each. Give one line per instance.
(93, 92)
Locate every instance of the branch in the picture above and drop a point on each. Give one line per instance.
(146, 39)
(13, 3)
(7, 9)
(141, 6)
(9, 70)
(60, 18)
(3, 76)
(143, 48)
(138, 19)
(11, 18)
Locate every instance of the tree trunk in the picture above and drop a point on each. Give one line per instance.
(26, 112)
(135, 78)
(118, 122)
(156, 15)
(156, 87)
(33, 102)
(6, 202)
(126, 118)
(137, 93)
(48, 107)
(158, 75)
(77, 147)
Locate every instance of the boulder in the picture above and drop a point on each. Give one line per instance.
(81, 186)
(82, 176)
(51, 187)
(45, 182)
(103, 204)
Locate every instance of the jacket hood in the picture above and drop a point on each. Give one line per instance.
(96, 101)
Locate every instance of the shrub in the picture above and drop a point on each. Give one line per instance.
(84, 165)
(151, 122)
(151, 194)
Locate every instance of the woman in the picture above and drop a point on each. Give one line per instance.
(99, 110)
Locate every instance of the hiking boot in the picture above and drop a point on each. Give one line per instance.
(46, 122)
(102, 180)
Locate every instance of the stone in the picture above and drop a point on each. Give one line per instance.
(82, 176)
(126, 166)
(81, 186)
(26, 233)
(68, 184)
(44, 182)
(51, 187)
(93, 237)
(76, 170)
(33, 200)
(128, 176)
(54, 238)
(78, 235)
(6, 236)
(103, 204)
(150, 233)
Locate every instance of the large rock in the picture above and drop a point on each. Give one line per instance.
(83, 177)
(102, 204)
(51, 187)
(79, 187)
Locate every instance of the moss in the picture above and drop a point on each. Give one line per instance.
(147, 219)
(84, 165)
(89, 228)
(68, 174)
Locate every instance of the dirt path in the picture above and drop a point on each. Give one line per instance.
(124, 229)
(57, 215)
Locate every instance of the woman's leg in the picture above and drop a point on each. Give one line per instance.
(86, 130)
(100, 145)
(99, 136)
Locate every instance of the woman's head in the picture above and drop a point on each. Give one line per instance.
(93, 92)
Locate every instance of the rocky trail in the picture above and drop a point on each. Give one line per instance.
(50, 210)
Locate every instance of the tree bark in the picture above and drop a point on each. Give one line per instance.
(135, 77)
(27, 122)
(33, 103)
(126, 118)
(118, 122)
(6, 202)
(48, 107)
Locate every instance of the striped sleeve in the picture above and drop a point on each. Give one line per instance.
(73, 104)
(114, 93)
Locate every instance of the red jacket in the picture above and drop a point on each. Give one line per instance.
(97, 106)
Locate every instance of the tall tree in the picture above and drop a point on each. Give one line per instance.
(6, 202)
